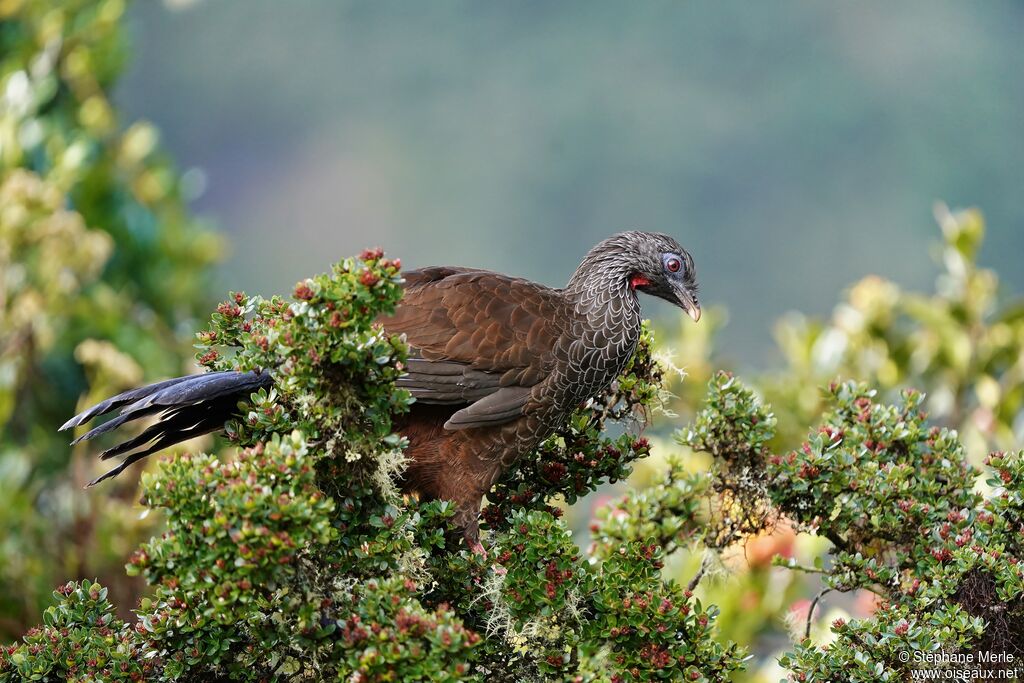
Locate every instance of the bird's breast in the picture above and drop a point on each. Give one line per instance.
(595, 353)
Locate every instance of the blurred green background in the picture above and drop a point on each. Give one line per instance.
(793, 146)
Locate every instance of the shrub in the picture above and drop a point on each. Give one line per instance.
(896, 499)
(299, 558)
(263, 574)
(960, 345)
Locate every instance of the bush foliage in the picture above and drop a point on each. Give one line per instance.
(895, 497)
(300, 558)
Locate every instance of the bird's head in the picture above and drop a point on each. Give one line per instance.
(652, 263)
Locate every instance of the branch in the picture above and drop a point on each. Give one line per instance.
(810, 612)
(838, 541)
(803, 568)
(699, 575)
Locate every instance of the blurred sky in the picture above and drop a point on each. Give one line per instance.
(793, 146)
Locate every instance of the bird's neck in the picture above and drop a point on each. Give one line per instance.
(601, 286)
(605, 329)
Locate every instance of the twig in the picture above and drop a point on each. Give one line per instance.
(802, 568)
(838, 541)
(810, 612)
(699, 575)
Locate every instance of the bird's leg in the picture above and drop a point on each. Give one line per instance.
(472, 536)
(468, 520)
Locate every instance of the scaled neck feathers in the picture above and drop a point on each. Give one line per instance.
(601, 283)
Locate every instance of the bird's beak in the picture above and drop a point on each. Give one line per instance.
(688, 304)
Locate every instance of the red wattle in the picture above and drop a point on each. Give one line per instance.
(638, 281)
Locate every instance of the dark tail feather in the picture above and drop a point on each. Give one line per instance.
(115, 402)
(164, 440)
(187, 406)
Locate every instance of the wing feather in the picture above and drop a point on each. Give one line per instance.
(476, 337)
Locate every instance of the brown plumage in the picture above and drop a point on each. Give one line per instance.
(497, 363)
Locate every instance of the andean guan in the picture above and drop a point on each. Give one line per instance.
(496, 364)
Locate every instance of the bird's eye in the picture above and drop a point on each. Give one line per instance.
(672, 263)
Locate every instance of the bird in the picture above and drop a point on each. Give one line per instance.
(496, 364)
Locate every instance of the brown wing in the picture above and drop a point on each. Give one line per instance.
(477, 337)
